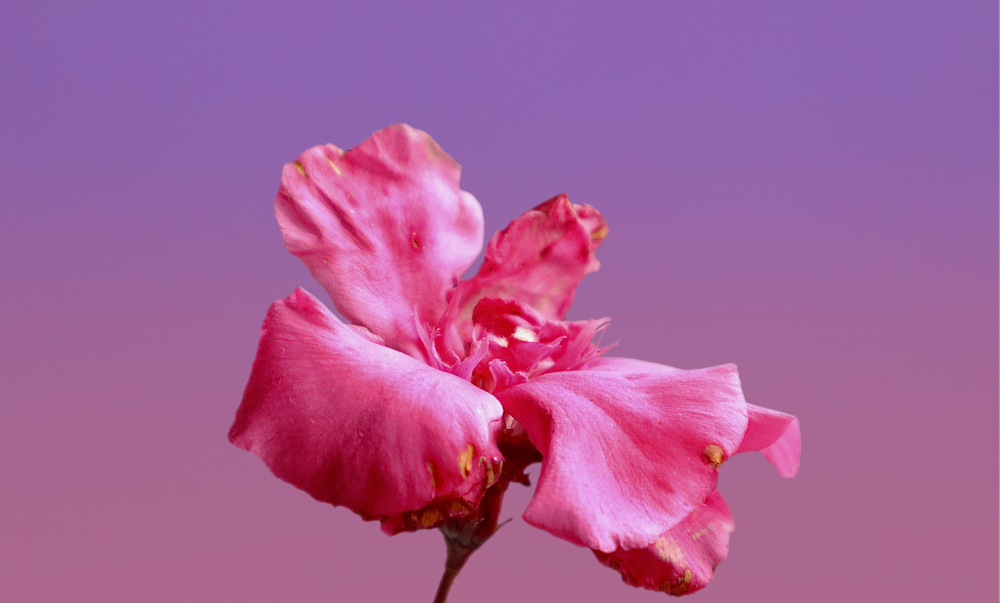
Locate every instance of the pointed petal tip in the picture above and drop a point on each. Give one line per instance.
(776, 435)
(785, 454)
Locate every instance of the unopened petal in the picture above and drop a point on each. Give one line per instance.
(776, 435)
(683, 560)
(384, 228)
(357, 424)
(628, 452)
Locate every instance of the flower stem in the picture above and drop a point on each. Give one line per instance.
(457, 556)
(464, 535)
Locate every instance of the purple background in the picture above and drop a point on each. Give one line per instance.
(807, 190)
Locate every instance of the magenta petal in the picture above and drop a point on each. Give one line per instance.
(384, 228)
(528, 343)
(357, 424)
(776, 435)
(628, 452)
(539, 259)
(684, 559)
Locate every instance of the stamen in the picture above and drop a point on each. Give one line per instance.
(524, 334)
(334, 166)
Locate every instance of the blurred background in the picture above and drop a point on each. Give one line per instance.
(806, 189)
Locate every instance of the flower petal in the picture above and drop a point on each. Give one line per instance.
(684, 559)
(776, 435)
(529, 344)
(627, 451)
(383, 227)
(360, 425)
(538, 260)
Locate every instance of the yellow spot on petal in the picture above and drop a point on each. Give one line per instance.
(301, 168)
(599, 234)
(416, 243)
(334, 166)
(668, 550)
(434, 151)
(429, 517)
(431, 469)
(700, 533)
(458, 509)
(713, 454)
(465, 461)
(679, 586)
(489, 470)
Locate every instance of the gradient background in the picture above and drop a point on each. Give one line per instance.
(806, 189)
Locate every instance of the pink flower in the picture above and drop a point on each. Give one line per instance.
(438, 394)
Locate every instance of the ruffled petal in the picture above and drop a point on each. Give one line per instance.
(538, 260)
(684, 559)
(384, 228)
(627, 451)
(776, 435)
(357, 424)
(529, 344)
